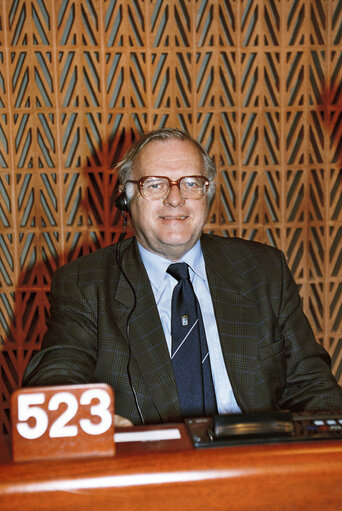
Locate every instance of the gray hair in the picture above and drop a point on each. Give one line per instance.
(125, 166)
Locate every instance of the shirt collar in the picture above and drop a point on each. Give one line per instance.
(157, 265)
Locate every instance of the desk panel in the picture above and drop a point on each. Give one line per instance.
(155, 477)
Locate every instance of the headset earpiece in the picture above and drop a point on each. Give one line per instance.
(121, 202)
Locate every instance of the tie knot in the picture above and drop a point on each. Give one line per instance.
(179, 271)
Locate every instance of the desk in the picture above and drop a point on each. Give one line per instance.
(162, 476)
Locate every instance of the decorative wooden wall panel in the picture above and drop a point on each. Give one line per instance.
(257, 82)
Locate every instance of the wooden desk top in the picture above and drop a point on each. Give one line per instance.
(161, 476)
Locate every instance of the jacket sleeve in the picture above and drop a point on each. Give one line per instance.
(69, 348)
(310, 385)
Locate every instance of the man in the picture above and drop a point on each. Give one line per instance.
(111, 316)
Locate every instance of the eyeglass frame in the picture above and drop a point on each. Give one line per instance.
(140, 184)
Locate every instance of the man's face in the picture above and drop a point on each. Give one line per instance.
(170, 226)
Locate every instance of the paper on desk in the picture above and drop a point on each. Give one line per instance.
(147, 436)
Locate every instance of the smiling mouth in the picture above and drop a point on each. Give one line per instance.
(174, 217)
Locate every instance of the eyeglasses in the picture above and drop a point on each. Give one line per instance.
(158, 187)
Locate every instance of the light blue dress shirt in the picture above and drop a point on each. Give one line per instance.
(162, 286)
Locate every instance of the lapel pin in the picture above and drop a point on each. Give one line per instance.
(185, 320)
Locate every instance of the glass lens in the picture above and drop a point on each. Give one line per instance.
(192, 187)
(155, 188)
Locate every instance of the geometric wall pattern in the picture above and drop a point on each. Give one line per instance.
(257, 82)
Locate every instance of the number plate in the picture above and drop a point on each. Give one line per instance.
(62, 421)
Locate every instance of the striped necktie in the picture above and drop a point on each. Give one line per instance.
(189, 354)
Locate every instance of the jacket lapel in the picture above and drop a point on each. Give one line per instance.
(237, 320)
(146, 336)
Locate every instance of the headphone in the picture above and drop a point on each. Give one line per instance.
(121, 202)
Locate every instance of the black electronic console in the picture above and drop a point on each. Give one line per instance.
(268, 427)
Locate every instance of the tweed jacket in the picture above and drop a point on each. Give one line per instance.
(104, 326)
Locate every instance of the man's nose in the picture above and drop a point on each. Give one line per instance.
(174, 197)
